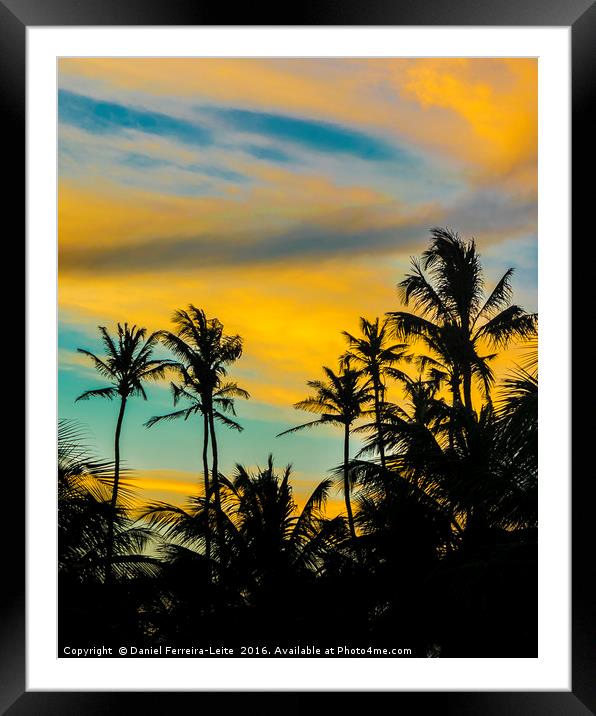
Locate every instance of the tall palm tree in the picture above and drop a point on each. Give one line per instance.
(127, 365)
(456, 318)
(203, 353)
(340, 400)
(373, 352)
(191, 392)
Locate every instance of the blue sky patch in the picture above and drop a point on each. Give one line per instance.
(268, 154)
(143, 161)
(312, 134)
(100, 117)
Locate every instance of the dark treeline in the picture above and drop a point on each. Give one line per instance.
(436, 548)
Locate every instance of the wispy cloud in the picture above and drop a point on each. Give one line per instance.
(479, 113)
(372, 228)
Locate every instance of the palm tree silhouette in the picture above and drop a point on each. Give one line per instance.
(127, 365)
(340, 400)
(192, 392)
(84, 513)
(375, 355)
(279, 542)
(455, 318)
(270, 543)
(203, 353)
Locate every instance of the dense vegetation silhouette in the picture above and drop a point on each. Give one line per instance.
(437, 548)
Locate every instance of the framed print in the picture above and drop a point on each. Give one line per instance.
(287, 281)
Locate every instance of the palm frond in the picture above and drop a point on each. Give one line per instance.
(100, 366)
(499, 298)
(184, 413)
(299, 427)
(108, 393)
(511, 323)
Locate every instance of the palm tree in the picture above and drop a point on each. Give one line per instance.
(191, 391)
(264, 511)
(203, 353)
(455, 316)
(340, 400)
(271, 545)
(279, 542)
(127, 365)
(373, 352)
(84, 513)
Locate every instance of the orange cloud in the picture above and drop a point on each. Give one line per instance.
(272, 307)
(290, 317)
(498, 101)
(107, 216)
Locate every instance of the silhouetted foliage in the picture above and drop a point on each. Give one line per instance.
(85, 514)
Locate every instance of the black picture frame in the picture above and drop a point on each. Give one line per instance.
(580, 15)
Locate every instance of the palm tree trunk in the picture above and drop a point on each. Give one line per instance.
(380, 436)
(207, 492)
(114, 500)
(456, 402)
(456, 391)
(467, 381)
(215, 478)
(347, 482)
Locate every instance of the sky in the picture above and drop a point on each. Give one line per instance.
(285, 197)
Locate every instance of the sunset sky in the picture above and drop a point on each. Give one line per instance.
(284, 197)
